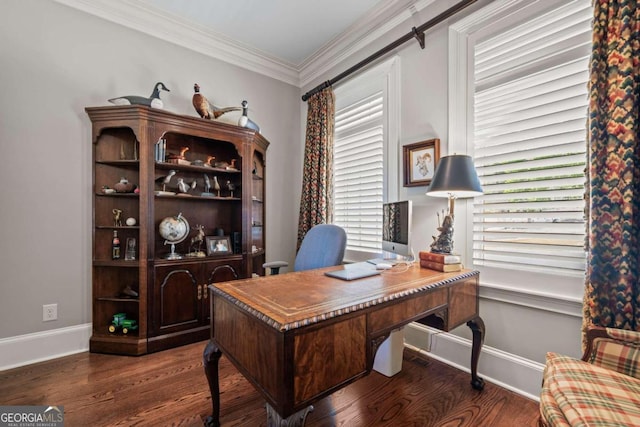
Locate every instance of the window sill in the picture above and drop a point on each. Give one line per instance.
(557, 303)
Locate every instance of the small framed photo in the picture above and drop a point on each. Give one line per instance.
(420, 161)
(218, 245)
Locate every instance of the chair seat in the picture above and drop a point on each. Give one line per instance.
(577, 393)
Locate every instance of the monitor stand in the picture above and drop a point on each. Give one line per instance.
(392, 259)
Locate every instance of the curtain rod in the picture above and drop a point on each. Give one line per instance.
(417, 33)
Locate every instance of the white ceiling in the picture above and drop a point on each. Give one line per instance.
(290, 30)
(295, 41)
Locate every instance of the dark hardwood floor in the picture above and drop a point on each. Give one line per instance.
(169, 388)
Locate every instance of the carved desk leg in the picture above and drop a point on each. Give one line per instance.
(295, 420)
(210, 359)
(477, 329)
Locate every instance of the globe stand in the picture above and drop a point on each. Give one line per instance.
(173, 254)
(174, 230)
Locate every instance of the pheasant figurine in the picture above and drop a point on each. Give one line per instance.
(205, 109)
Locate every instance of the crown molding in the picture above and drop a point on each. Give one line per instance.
(142, 17)
(379, 21)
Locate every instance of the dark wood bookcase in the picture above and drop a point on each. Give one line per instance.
(171, 307)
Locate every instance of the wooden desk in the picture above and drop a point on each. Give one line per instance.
(299, 337)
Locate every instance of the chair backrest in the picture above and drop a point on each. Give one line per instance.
(322, 246)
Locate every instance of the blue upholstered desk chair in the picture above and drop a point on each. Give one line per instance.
(322, 246)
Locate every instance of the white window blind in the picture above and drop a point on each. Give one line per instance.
(530, 111)
(359, 172)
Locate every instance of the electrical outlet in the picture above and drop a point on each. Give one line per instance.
(49, 312)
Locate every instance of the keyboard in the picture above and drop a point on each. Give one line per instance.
(357, 270)
(376, 261)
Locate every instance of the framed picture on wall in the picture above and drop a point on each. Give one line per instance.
(420, 161)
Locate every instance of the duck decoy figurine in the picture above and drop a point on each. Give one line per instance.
(205, 109)
(245, 121)
(152, 101)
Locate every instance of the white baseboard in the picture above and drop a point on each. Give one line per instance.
(506, 370)
(40, 346)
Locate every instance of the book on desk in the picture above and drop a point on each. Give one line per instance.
(440, 262)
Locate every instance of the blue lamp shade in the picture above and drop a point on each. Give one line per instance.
(455, 177)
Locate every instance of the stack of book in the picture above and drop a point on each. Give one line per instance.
(440, 262)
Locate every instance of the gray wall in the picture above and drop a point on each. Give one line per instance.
(56, 61)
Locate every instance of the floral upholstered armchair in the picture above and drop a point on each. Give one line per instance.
(602, 389)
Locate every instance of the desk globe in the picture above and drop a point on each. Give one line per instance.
(174, 229)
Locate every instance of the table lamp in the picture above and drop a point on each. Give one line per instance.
(455, 177)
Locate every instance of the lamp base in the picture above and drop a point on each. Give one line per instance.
(443, 244)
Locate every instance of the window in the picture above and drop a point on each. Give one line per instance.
(362, 157)
(526, 132)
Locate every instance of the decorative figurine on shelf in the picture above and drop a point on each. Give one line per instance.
(244, 120)
(232, 166)
(231, 186)
(165, 180)
(443, 244)
(216, 185)
(128, 292)
(117, 217)
(124, 186)
(184, 188)
(121, 323)
(152, 101)
(205, 109)
(197, 242)
(179, 159)
(207, 187)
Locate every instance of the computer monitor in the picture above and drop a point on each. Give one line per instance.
(396, 228)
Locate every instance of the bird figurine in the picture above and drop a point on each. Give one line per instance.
(166, 179)
(152, 101)
(205, 109)
(244, 120)
(231, 186)
(183, 187)
(207, 187)
(216, 185)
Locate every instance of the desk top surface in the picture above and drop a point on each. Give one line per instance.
(292, 300)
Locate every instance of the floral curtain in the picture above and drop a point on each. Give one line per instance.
(612, 292)
(316, 203)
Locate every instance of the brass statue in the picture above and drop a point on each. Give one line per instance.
(117, 217)
(443, 244)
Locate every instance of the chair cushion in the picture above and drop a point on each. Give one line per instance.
(623, 357)
(577, 393)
